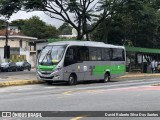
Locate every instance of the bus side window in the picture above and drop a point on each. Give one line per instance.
(95, 54)
(99, 54)
(69, 57)
(118, 54)
(83, 54)
(92, 53)
(107, 54)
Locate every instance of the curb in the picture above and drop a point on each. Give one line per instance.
(19, 82)
(156, 84)
(27, 82)
(145, 75)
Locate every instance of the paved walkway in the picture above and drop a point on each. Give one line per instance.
(134, 75)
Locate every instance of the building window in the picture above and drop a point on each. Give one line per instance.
(20, 43)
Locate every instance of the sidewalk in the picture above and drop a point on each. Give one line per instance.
(19, 78)
(15, 80)
(136, 75)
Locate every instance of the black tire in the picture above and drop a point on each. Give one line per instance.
(106, 78)
(29, 69)
(72, 80)
(22, 69)
(49, 82)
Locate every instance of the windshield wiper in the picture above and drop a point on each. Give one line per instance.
(48, 53)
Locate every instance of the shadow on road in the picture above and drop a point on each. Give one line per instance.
(79, 83)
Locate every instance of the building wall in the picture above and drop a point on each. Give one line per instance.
(13, 58)
(1, 54)
(15, 43)
(11, 43)
(24, 53)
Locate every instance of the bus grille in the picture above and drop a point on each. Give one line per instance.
(46, 77)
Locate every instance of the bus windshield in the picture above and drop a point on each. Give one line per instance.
(51, 55)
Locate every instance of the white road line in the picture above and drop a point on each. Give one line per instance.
(138, 80)
(50, 87)
(22, 89)
(119, 85)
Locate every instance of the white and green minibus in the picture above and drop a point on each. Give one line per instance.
(73, 61)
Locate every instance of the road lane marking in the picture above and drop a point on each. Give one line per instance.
(98, 91)
(119, 85)
(79, 117)
(50, 87)
(68, 92)
(21, 89)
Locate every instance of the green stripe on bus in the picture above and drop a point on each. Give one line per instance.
(46, 68)
(114, 69)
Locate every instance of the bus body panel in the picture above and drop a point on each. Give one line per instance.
(84, 70)
(74, 68)
(94, 70)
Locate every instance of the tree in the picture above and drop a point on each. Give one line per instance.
(19, 23)
(37, 28)
(65, 29)
(2, 24)
(137, 22)
(78, 13)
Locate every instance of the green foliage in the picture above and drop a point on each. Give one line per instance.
(114, 21)
(83, 11)
(19, 23)
(65, 29)
(2, 24)
(8, 7)
(136, 22)
(62, 39)
(37, 28)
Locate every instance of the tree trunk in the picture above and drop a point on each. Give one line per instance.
(106, 28)
(79, 36)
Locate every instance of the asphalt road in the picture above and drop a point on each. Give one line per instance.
(124, 95)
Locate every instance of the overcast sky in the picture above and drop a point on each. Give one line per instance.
(45, 18)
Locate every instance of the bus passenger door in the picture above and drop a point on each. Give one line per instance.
(83, 54)
(72, 64)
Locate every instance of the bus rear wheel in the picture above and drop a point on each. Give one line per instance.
(72, 80)
(106, 78)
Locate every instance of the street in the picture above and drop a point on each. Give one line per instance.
(117, 95)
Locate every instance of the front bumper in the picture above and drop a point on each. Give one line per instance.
(4, 68)
(54, 76)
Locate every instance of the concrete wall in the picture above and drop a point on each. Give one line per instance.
(1, 54)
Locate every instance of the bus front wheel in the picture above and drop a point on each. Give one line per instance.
(72, 80)
(49, 82)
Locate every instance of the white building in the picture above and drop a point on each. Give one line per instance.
(21, 47)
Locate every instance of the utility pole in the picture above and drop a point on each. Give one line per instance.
(6, 47)
(6, 33)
